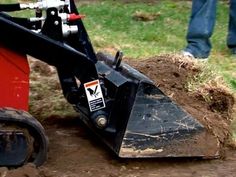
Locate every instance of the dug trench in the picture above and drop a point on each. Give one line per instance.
(74, 151)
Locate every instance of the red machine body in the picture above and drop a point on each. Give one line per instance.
(14, 79)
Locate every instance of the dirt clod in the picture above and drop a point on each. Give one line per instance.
(29, 170)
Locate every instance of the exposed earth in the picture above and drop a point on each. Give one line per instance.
(75, 152)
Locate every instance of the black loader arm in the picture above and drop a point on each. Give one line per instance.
(59, 39)
(49, 45)
(73, 56)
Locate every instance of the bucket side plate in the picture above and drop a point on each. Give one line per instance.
(158, 127)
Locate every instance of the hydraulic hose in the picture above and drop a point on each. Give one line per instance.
(10, 7)
(19, 20)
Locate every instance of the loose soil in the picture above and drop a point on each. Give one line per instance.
(75, 152)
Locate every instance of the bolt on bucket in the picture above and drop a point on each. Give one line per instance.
(143, 121)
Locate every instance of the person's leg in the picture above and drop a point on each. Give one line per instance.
(231, 39)
(200, 29)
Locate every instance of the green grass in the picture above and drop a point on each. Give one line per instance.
(111, 27)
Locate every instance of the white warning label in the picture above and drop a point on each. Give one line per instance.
(94, 95)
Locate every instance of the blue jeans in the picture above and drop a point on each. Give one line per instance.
(201, 26)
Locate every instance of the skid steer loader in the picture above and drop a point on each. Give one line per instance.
(119, 104)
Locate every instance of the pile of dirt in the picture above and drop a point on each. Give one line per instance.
(211, 104)
(74, 152)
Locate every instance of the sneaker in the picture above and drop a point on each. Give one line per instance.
(190, 55)
(187, 54)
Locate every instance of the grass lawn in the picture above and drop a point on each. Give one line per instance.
(142, 30)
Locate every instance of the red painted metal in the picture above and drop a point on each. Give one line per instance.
(73, 17)
(14, 79)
